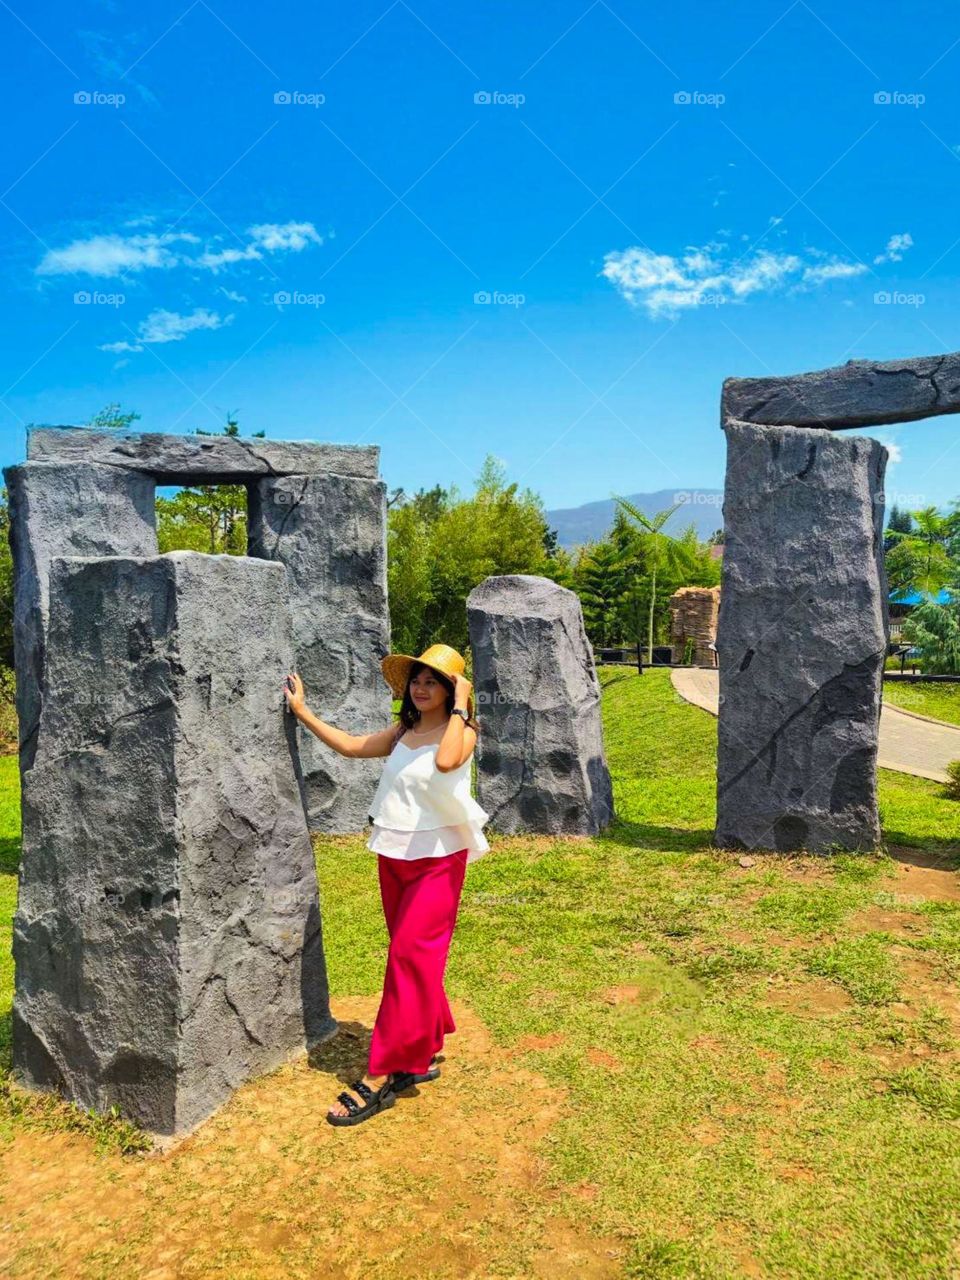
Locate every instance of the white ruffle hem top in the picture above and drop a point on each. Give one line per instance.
(420, 811)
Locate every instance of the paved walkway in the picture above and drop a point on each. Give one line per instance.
(908, 743)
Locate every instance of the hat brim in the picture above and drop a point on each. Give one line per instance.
(396, 670)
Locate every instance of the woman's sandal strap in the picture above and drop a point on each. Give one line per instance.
(349, 1103)
(361, 1088)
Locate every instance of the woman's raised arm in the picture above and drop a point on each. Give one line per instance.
(347, 744)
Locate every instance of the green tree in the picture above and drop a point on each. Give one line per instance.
(6, 583)
(206, 517)
(935, 630)
(603, 580)
(899, 521)
(919, 560)
(440, 545)
(660, 551)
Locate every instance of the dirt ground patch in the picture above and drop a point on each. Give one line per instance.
(446, 1183)
(813, 997)
(924, 875)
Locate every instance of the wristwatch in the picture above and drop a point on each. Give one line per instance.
(459, 711)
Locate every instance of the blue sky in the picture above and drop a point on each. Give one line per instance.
(297, 213)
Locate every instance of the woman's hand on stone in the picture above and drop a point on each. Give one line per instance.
(294, 693)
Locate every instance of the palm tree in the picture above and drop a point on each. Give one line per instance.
(660, 549)
(919, 560)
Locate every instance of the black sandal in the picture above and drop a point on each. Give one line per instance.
(374, 1100)
(404, 1079)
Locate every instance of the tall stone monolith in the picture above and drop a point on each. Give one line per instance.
(167, 937)
(64, 509)
(329, 532)
(540, 758)
(801, 640)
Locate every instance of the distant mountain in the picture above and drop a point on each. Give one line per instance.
(701, 507)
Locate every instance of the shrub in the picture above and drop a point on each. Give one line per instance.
(8, 711)
(953, 786)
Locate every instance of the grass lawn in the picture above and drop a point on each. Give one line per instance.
(750, 1065)
(941, 701)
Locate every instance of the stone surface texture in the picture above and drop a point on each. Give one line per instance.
(196, 459)
(540, 758)
(801, 640)
(330, 534)
(59, 509)
(856, 394)
(167, 937)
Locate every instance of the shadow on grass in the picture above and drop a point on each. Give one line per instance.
(342, 1053)
(9, 855)
(943, 855)
(643, 835)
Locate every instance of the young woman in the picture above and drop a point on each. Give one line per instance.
(426, 828)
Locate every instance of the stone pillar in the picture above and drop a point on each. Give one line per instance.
(802, 639)
(540, 759)
(63, 509)
(329, 531)
(167, 937)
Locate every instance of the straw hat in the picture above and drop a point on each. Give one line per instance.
(439, 657)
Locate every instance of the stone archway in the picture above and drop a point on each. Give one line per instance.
(167, 939)
(803, 629)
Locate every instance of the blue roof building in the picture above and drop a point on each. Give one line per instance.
(943, 596)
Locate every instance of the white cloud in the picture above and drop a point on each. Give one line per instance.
(665, 285)
(168, 326)
(113, 255)
(895, 451)
(833, 271)
(292, 236)
(117, 347)
(116, 255)
(231, 295)
(897, 246)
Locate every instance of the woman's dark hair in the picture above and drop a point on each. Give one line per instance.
(410, 714)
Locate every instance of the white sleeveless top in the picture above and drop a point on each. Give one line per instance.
(420, 811)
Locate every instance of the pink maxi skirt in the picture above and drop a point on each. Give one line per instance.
(420, 902)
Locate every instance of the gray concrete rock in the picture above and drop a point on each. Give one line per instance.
(541, 765)
(858, 393)
(59, 509)
(330, 533)
(167, 937)
(173, 459)
(801, 639)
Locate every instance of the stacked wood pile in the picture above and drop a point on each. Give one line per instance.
(693, 616)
